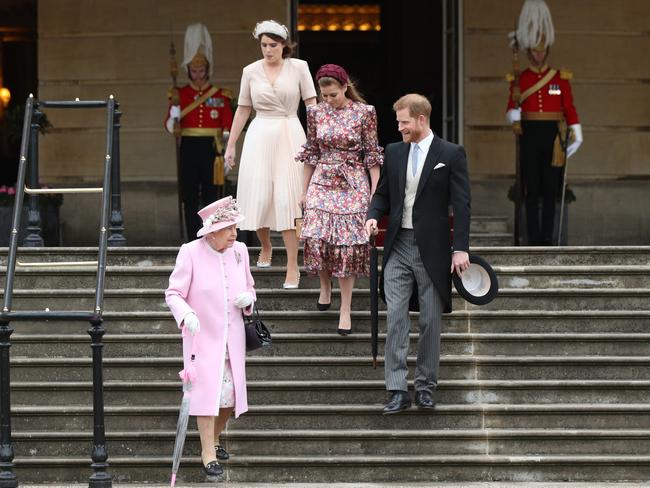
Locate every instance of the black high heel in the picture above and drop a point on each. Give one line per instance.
(325, 306)
(344, 332)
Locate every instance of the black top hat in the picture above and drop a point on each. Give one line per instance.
(478, 284)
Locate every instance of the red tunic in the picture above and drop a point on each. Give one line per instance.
(555, 96)
(214, 113)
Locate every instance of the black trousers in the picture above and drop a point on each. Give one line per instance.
(540, 179)
(197, 190)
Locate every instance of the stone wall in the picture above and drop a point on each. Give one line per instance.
(93, 48)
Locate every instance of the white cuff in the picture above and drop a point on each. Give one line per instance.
(577, 132)
(513, 115)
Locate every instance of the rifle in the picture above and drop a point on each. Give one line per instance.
(175, 100)
(516, 129)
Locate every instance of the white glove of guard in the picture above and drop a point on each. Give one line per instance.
(244, 299)
(513, 115)
(576, 130)
(174, 114)
(191, 322)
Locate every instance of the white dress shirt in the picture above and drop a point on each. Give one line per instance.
(412, 181)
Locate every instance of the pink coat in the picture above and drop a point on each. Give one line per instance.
(207, 282)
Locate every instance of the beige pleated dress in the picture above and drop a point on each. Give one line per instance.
(269, 184)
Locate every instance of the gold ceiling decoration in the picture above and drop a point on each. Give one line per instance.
(319, 17)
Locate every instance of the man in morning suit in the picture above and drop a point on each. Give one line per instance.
(421, 177)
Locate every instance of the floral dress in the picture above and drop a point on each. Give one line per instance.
(342, 145)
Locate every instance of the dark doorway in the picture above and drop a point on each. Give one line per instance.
(18, 75)
(406, 55)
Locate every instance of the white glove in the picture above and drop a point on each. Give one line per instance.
(226, 166)
(191, 322)
(576, 130)
(244, 299)
(174, 115)
(513, 115)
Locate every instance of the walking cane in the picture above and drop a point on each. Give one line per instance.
(565, 145)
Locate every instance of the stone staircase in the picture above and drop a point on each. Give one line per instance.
(485, 230)
(550, 382)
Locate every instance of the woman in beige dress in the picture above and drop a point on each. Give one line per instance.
(269, 186)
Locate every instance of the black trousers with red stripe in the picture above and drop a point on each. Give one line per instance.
(197, 190)
(540, 179)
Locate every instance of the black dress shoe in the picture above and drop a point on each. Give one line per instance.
(344, 332)
(213, 468)
(221, 452)
(423, 399)
(323, 306)
(400, 400)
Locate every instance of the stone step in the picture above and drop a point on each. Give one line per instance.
(499, 256)
(312, 321)
(310, 392)
(348, 416)
(343, 442)
(118, 277)
(480, 225)
(489, 223)
(413, 484)
(150, 299)
(317, 344)
(347, 367)
(406, 468)
(490, 239)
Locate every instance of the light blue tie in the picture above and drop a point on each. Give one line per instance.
(414, 159)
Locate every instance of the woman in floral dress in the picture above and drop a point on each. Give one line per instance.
(342, 163)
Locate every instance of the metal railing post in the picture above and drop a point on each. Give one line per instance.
(7, 476)
(100, 477)
(116, 238)
(34, 236)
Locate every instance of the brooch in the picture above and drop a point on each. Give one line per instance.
(237, 257)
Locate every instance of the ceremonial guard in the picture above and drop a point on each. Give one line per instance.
(539, 107)
(202, 118)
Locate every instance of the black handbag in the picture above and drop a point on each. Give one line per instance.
(257, 335)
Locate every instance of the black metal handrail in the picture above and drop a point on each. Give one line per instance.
(28, 153)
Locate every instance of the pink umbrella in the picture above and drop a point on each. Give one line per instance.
(188, 376)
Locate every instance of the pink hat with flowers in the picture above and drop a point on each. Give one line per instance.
(218, 215)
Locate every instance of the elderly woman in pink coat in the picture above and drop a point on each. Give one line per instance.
(210, 285)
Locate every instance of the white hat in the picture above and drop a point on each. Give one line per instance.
(198, 46)
(270, 27)
(535, 28)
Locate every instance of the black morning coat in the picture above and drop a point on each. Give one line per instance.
(437, 190)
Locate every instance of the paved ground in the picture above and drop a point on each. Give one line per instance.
(366, 485)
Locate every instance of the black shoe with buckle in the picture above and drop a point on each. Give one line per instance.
(222, 454)
(213, 469)
(423, 399)
(400, 400)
